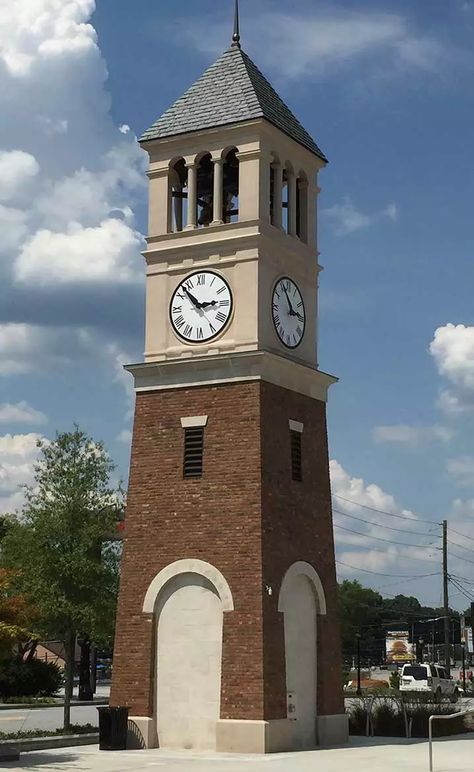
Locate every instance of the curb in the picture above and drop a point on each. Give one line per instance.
(46, 743)
(35, 706)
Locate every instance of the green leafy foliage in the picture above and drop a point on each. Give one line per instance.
(29, 679)
(32, 733)
(394, 680)
(61, 547)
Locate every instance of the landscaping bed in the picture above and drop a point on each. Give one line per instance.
(394, 716)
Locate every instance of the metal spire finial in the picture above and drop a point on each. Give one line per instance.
(236, 35)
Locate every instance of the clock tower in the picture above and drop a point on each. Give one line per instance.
(227, 632)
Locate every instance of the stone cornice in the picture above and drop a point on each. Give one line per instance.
(232, 368)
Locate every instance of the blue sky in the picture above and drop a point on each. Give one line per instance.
(386, 89)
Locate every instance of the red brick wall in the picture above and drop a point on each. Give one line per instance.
(246, 517)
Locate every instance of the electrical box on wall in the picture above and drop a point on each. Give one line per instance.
(291, 706)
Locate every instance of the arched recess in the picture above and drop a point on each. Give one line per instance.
(301, 568)
(188, 599)
(301, 599)
(231, 173)
(178, 191)
(205, 189)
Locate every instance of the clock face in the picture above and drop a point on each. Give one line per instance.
(288, 312)
(201, 307)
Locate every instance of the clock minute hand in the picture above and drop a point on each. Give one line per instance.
(292, 313)
(192, 298)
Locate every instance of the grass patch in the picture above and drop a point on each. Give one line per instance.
(28, 735)
(29, 701)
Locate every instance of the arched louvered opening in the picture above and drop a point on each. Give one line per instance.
(285, 200)
(205, 190)
(276, 185)
(302, 207)
(231, 187)
(178, 178)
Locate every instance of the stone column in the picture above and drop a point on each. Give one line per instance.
(192, 196)
(304, 209)
(291, 203)
(218, 191)
(159, 207)
(277, 195)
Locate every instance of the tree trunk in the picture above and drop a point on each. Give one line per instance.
(85, 691)
(69, 656)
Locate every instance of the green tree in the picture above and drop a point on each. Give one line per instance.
(360, 611)
(68, 567)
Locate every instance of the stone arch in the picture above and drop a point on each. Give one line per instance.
(188, 599)
(188, 566)
(301, 568)
(301, 600)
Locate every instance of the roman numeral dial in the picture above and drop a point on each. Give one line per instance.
(288, 312)
(201, 307)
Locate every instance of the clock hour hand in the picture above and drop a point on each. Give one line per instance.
(193, 300)
(206, 305)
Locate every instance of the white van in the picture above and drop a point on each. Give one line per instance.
(428, 678)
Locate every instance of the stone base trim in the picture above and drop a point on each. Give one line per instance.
(278, 736)
(333, 730)
(141, 733)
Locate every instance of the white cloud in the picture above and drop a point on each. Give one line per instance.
(461, 470)
(18, 455)
(33, 32)
(405, 434)
(365, 538)
(391, 211)
(13, 227)
(21, 413)
(102, 254)
(346, 218)
(452, 349)
(326, 41)
(462, 511)
(69, 176)
(125, 436)
(17, 170)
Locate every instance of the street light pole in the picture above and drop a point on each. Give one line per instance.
(359, 691)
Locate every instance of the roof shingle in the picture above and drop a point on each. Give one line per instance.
(231, 90)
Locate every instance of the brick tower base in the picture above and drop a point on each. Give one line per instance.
(257, 548)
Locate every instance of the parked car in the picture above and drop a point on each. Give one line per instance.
(428, 678)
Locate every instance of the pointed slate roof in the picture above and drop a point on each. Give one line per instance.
(231, 90)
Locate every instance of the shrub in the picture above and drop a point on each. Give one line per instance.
(387, 719)
(394, 680)
(29, 679)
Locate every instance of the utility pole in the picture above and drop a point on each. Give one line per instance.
(447, 658)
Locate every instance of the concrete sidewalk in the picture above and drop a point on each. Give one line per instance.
(452, 755)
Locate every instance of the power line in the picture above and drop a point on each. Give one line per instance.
(379, 538)
(408, 580)
(464, 535)
(383, 512)
(461, 546)
(460, 557)
(463, 579)
(458, 586)
(379, 573)
(388, 527)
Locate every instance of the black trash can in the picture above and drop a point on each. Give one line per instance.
(113, 725)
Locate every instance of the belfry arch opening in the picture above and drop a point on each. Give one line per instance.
(205, 191)
(179, 195)
(231, 173)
